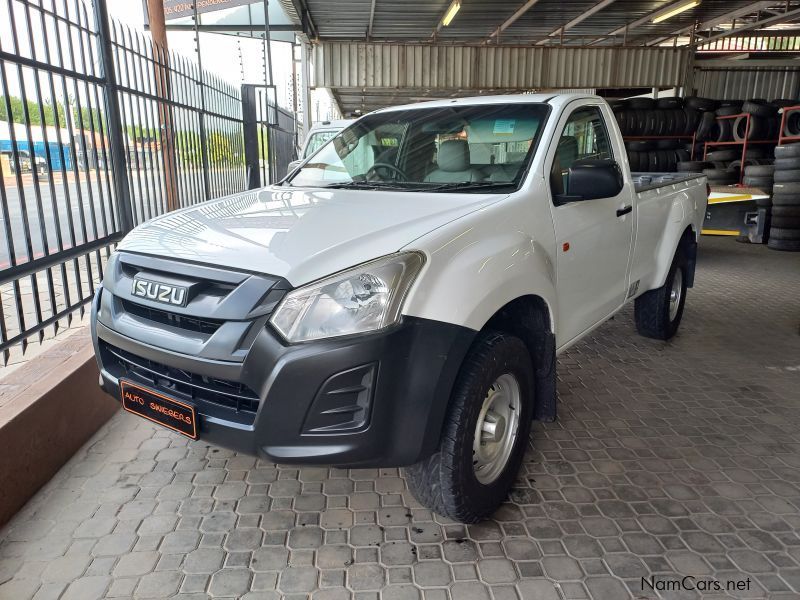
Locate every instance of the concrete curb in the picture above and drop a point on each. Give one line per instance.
(57, 406)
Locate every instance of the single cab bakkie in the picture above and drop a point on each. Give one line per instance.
(400, 299)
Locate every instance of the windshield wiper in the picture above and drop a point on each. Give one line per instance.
(472, 185)
(364, 185)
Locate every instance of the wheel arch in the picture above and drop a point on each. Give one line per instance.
(530, 318)
(682, 238)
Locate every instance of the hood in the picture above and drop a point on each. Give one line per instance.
(300, 235)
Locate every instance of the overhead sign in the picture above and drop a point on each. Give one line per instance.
(176, 9)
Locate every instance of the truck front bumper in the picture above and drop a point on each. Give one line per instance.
(374, 400)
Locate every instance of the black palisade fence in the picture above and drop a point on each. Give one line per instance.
(100, 130)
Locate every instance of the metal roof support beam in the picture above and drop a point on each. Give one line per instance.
(581, 17)
(371, 19)
(711, 23)
(784, 16)
(513, 18)
(625, 29)
(305, 18)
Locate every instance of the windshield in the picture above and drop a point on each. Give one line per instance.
(317, 140)
(445, 148)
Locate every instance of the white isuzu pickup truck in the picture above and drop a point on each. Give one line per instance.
(400, 299)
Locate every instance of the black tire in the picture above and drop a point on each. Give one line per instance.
(724, 131)
(682, 155)
(666, 160)
(759, 108)
(692, 166)
(786, 164)
(641, 103)
(786, 222)
(759, 128)
(748, 162)
(787, 245)
(651, 309)
(692, 117)
(758, 152)
(787, 175)
(728, 111)
(777, 233)
(658, 121)
(779, 199)
(707, 129)
(633, 159)
(723, 155)
(680, 121)
(668, 144)
(764, 183)
(631, 122)
(759, 170)
(786, 211)
(698, 103)
(640, 117)
(446, 482)
(784, 102)
(638, 145)
(787, 151)
(671, 102)
(792, 124)
(720, 176)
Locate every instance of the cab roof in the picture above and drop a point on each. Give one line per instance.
(552, 98)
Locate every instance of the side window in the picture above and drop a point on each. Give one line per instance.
(584, 136)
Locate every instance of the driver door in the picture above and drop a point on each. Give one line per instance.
(593, 242)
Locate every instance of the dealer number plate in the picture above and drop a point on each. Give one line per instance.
(158, 408)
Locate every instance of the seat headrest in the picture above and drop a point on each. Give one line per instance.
(453, 155)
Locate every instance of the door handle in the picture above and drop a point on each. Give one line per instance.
(624, 211)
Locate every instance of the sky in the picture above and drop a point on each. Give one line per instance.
(219, 53)
(236, 60)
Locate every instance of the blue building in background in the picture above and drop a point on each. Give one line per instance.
(60, 154)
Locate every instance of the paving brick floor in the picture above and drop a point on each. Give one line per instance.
(668, 460)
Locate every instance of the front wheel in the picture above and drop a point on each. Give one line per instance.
(486, 431)
(658, 312)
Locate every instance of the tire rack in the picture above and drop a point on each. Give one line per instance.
(787, 138)
(744, 143)
(653, 138)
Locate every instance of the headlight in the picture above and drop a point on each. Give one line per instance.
(365, 298)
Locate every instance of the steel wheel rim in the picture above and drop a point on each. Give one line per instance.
(497, 428)
(675, 294)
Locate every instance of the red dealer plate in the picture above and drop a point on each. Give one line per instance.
(158, 408)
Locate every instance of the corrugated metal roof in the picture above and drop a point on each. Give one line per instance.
(410, 57)
(417, 20)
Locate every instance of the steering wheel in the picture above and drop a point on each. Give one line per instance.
(394, 173)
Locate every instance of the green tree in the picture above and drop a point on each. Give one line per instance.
(46, 115)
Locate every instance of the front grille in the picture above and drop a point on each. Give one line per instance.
(196, 324)
(199, 389)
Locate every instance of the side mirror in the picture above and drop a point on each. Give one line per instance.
(592, 178)
(293, 165)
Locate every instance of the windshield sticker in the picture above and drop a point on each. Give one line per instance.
(504, 126)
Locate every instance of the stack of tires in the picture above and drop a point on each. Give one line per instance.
(648, 117)
(642, 117)
(656, 155)
(723, 167)
(645, 117)
(784, 233)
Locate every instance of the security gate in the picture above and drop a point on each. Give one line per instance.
(270, 137)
